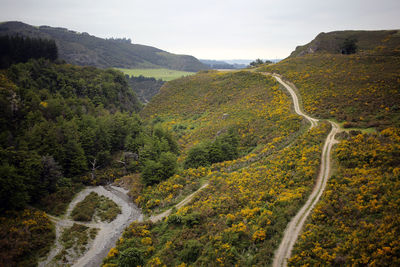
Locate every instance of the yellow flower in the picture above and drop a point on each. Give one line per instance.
(112, 252)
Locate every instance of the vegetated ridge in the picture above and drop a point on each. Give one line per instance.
(338, 42)
(357, 218)
(240, 216)
(220, 64)
(358, 89)
(87, 50)
(228, 222)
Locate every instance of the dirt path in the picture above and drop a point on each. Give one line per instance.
(108, 232)
(292, 231)
(297, 109)
(159, 217)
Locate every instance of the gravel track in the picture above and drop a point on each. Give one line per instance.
(293, 229)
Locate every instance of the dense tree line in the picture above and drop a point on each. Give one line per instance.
(15, 49)
(259, 62)
(120, 40)
(60, 122)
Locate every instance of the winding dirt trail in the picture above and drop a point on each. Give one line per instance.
(292, 231)
(186, 200)
(108, 232)
(297, 109)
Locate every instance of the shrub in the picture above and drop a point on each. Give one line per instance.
(131, 257)
(225, 147)
(349, 46)
(157, 171)
(197, 156)
(191, 251)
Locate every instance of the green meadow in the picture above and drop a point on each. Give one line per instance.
(163, 74)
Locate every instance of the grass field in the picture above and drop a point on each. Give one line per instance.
(163, 74)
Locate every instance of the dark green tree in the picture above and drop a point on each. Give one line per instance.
(349, 46)
(152, 172)
(13, 192)
(257, 62)
(74, 161)
(131, 257)
(51, 173)
(197, 156)
(169, 164)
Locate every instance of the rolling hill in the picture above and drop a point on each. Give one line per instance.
(357, 220)
(88, 50)
(240, 216)
(382, 42)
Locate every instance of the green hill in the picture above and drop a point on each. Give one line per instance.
(88, 50)
(239, 217)
(360, 89)
(357, 218)
(382, 42)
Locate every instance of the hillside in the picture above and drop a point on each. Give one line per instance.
(87, 50)
(359, 90)
(220, 64)
(356, 222)
(145, 88)
(377, 42)
(240, 214)
(239, 217)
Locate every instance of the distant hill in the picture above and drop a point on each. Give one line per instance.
(88, 50)
(231, 63)
(382, 42)
(219, 64)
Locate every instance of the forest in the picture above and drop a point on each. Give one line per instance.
(63, 127)
(14, 49)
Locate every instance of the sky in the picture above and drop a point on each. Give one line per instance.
(209, 29)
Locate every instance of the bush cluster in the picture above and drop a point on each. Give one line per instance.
(224, 147)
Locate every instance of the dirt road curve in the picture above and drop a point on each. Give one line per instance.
(187, 199)
(294, 227)
(313, 121)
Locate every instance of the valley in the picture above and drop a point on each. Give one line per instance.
(280, 164)
(162, 74)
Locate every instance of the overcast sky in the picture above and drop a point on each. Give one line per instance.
(209, 29)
